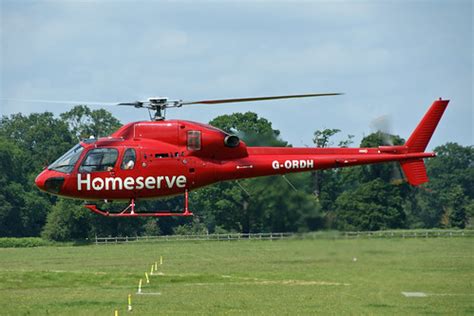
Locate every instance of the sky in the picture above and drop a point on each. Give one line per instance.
(391, 59)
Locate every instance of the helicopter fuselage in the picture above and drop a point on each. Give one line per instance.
(153, 159)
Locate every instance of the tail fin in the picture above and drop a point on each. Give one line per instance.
(415, 170)
(422, 134)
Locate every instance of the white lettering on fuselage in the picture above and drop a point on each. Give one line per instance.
(129, 183)
(294, 164)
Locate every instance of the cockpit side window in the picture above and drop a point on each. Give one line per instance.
(66, 162)
(194, 140)
(99, 159)
(128, 160)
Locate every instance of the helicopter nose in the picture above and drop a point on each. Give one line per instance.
(49, 183)
(39, 181)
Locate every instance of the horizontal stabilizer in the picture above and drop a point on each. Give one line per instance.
(415, 171)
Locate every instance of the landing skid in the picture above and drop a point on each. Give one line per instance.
(129, 211)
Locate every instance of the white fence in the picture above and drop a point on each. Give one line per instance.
(278, 236)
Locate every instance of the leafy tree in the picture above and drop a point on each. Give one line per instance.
(152, 228)
(373, 205)
(68, 220)
(253, 130)
(23, 210)
(324, 180)
(452, 166)
(84, 122)
(194, 228)
(322, 137)
(42, 137)
(448, 196)
(386, 171)
(457, 212)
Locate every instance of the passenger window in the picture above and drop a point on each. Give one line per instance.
(194, 140)
(99, 159)
(128, 161)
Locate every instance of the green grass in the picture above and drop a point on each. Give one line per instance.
(244, 277)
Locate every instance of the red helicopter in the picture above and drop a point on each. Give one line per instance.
(157, 158)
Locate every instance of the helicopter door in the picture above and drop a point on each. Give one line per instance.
(193, 143)
(129, 159)
(99, 163)
(128, 164)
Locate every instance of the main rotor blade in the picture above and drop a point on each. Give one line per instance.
(60, 101)
(260, 98)
(137, 104)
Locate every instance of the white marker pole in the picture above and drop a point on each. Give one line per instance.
(156, 266)
(147, 279)
(129, 302)
(151, 270)
(140, 287)
(161, 259)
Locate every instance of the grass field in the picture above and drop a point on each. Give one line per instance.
(243, 277)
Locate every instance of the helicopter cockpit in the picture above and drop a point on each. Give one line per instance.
(66, 162)
(89, 156)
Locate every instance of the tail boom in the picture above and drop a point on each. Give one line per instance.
(264, 161)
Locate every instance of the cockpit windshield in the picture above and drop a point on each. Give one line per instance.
(66, 162)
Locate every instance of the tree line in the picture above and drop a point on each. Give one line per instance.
(372, 197)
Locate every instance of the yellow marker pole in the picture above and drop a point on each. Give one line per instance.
(140, 287)
(147, 279)
(161, 259)
(116, 312)
(151, 270)
(129, 302)
(156, 266)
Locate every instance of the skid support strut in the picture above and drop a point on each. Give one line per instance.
(129, 211)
